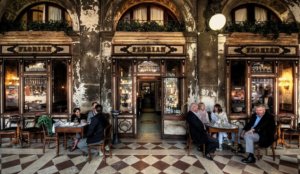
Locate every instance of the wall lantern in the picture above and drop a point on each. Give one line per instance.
(217, 22)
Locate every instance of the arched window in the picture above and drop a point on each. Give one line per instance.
(252, 13)
(149, 17)
(149, 12)
(44, 13)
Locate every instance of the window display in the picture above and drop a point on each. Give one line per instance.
(285, 87)
(238, 87)
(35, 91)
(262, 93)
(125, 87)
(172, 103)
(11, 86)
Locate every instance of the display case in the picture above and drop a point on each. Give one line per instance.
(172, 98)
(125, 95)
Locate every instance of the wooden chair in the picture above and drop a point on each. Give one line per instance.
(32, 132)
(12, 129)
(48, 137)
(273, 146)
(105, 142)
(189, 140)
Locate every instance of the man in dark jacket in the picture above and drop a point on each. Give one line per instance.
(198, 133)
(95, 131)
(261, 129)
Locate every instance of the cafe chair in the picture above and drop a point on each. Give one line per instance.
(273, 145)
(11, 129)
(105, 142)
(48, 137)
(33, 131)
(189, 140)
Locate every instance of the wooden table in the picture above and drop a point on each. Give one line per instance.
(67, 130)
(235, 129)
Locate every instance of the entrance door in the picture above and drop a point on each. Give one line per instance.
(148, 106)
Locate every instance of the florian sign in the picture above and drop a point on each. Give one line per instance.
(35, 49)
(148, 49)
(262, 50)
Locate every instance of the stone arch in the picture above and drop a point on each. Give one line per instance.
(180, 8)
(278, 7)
(14, 10)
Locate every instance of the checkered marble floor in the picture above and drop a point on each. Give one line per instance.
(133, 156)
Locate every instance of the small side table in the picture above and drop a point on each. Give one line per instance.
(291, 133)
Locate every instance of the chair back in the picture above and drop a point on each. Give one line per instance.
(46, 133)
(188, 133)
(13, 121)
(107, 134)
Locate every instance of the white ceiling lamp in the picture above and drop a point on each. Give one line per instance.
(217, 22)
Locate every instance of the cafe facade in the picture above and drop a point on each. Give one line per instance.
(126, 68)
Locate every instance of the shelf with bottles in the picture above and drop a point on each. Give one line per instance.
(171, 96)
(125, 92)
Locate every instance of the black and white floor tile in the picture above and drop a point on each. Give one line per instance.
(133, 156)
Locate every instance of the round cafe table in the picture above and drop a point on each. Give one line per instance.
(229, 128)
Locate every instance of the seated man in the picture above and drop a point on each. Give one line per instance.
(95, 131)
(198, 132)
(261, 129)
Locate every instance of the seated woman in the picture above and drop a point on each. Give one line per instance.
(220, 117)
(76, 118)
(202, 114)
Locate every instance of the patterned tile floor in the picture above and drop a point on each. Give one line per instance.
(134, 156)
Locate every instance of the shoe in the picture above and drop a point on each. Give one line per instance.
(74, 148)
(208, 156)
(249, 159)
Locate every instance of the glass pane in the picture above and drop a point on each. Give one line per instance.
(125, 88)
(262, 67)
(11, 76)
(173, 68)
(54, 14)
(238, 87)
(35, 91)
(285, 83)
(148, 66)
(262, 93)
(38, 13)
(172, 98)
(35, 66)
(59, 86)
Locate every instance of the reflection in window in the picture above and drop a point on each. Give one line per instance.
(238, 87)
(172, 98)
(173, 68)
(262, 67)
(262, 93)
(59, 86)
(148, 66)
(11, 75)
(35, 91)
(125, 88)
(35, 66)
(285, 83)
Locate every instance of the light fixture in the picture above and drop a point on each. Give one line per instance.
(284, 82)
(217, 21)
